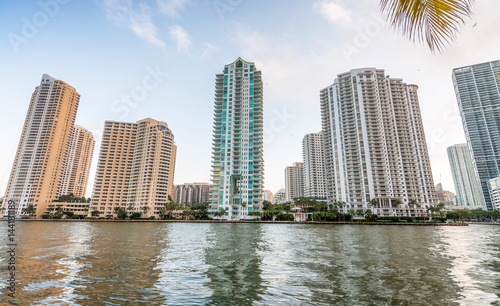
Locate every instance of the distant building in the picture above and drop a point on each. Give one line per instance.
(279, 197)
(477, 88)
(294, 181)
(267, 196)
(494, 192)
(374, 141)
(192, 193)
(42, 165)
(237, 148)
(464, 178)
(442, 195)
(136, 168)
(314, 166)
(76, 174)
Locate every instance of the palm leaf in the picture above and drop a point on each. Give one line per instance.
(436, 21)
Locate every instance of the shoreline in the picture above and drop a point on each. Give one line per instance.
(247, 221)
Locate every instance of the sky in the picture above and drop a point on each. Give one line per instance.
(131, 60)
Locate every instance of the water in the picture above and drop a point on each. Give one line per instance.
(253, 264)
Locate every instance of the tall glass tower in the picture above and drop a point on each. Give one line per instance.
(237, 161)
(477, 88)
(466, 185)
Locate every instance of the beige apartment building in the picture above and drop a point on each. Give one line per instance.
(77, 169)
(294, 181)
(136, 168)
(41, 159)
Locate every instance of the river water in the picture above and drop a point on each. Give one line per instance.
(88, 263)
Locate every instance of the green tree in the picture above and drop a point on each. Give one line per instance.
(145, 209)
(121, 213)
(435, 21)
(30, 210)
(398, 204)
(95, 213)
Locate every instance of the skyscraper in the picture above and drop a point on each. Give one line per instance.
(464, 178)
(76, 173)
(237, 151)
(314, 166)
(374, 141)
(477, 88)
(294, 181)
(136, 168)
(38, 170)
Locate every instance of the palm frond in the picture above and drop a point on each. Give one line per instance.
(436, 21)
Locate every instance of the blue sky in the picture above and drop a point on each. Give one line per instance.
(135, 59)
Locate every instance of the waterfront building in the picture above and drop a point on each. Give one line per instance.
(77, 169)
(279, 197)
(314, 166)
(294, 181)
(374, 142)
(267, 195)
(192, 193)
(237, 151)
(40, 164)
(477, 88)
(464, 177)
(136, 167)
(494, 192)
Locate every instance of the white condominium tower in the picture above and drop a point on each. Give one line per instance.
(237, 161)
(136, 168)
(76, 174)
(41, 159)
(477, 88)
(464, 178)
(294, 181)
(314, 166)
(374, 141)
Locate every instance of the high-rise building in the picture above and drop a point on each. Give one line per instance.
(38, 170)
(314, 166)
(464, 178)
(494, 192)
(294, 181)
(237, 152)
(136, 168)
(267, 195)
(192, 193)
(77, 169)
(477, 88)
(374, 141)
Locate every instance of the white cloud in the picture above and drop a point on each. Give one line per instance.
(138, 20)
(334, 12)
(209, 49)
(181, 37)
(172, 7)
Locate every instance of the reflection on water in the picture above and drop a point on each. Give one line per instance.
(261, 264)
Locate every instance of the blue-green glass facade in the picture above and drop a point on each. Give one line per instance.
(477, 88)
(237, 161)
